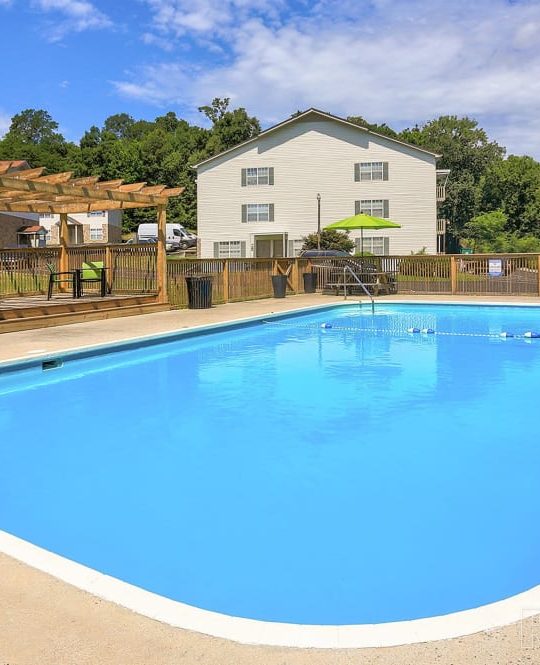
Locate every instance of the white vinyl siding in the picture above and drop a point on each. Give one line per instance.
(229, 249)
(261, 175)
(376, 245)
(373, 207)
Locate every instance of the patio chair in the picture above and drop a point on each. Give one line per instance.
(93, 272)
(65, 277)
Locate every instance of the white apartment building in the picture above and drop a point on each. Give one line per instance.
(259, 199)
(99, 226)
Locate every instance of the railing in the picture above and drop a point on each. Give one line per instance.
(348, 269)
(441, 193)
(132, 269)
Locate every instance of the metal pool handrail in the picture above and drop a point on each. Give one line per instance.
(364, 288)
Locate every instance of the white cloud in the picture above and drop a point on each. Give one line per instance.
(387, 60)
(5, 122)
(76, 16)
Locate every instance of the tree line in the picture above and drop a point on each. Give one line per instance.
(492, 204)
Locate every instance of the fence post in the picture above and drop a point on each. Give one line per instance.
(453, 274)
(64, 241)
(225, 280)
(294, 276)
(108, 265)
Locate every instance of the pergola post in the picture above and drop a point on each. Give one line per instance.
(161, 257)
(64, 239)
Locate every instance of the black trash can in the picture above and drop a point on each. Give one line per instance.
(279, 284)
(310, 282)
(199, 288)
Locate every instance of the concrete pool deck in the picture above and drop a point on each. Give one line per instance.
(44, 620)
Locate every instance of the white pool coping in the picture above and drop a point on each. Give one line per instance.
(251, 631)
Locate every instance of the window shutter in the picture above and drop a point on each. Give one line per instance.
(243, 249)
(290, 251)
(357, 172)
(244, 178)
(244, 213)
(358, 243)
(271, 175)
(386, 246)
(216, 250)
(357, 207)
(386, 213)
(271, 212)
(385, 171)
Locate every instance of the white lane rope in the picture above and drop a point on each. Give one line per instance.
(423, 332)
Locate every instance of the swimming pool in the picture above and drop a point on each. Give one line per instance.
(355, 473)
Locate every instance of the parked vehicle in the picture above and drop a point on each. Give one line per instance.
(177, 236)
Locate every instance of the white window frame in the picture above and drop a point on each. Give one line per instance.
(95, 213)
(373, 207)
(297, 244)
(96, 230)
(230, 249)
(373, 245)
(259, 175)
(371, 171)
(258, 212)
(46, 215)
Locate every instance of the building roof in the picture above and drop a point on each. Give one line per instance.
(324, 116)
(32, 229)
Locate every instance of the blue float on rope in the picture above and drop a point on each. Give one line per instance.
(413, 330)
(531, 334)
(428, 331)
(506, 334)
(326, 325)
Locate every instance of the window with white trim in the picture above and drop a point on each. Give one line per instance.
(230, 249)
(376, 245)
(96, 233)
(295, 247)
(261, 175)
(95, 213)
(46, 215)
(373, 207)
(258, 212)
(48, 237)
(371, 170)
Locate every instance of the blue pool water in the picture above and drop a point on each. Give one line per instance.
(289, 472)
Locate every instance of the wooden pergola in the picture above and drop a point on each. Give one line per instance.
(25, 189)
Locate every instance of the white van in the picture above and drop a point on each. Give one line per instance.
(177, 236)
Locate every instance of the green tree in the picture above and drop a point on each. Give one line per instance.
(513, 186)
(119, 125)
(482, 231)
(330, 239)
(217, 109)
(383, 129)
(466, 150)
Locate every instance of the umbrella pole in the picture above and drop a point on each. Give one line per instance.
(362, 243)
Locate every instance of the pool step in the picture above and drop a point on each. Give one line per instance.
(44, 316)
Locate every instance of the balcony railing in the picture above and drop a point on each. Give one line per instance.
(441, 193)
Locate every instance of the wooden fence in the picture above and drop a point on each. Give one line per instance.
(132, 269)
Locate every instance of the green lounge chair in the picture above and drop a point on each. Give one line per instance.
(92, 271)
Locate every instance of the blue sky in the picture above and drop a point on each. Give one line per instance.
(393, 61)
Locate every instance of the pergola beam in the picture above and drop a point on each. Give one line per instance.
(83, 192)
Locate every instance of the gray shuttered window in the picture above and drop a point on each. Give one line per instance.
(261, 175)
(271, 175)
(243, 179)
(357, 172)
(243, 249)
(385, 170)
(370, 171)
(386, 246)
(375, 207)
(244, 213)
(271, 212)
(230, 249)
(216, 250)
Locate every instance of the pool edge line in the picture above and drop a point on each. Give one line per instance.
(266, 633)
(118, 344)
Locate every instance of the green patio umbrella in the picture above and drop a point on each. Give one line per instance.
(362, 222)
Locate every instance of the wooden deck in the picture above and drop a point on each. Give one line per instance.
(29, 312)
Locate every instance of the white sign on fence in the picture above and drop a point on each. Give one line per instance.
(495, 267)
